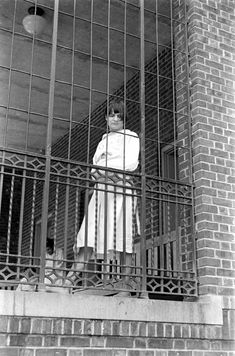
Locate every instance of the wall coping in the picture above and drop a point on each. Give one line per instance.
(207, 310)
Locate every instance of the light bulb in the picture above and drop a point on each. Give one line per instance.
(34, 23)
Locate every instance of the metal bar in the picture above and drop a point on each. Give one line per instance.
(22, 202)
(1, 183)
(142, 147)
(9, 225)
(30, 84)
(49, 143)
(124, 147)
(160, 170)
(10, 75)
(56, 210)
(89, 133)
(175, 206)
(32, 217)
(107, 142)
(66, 224)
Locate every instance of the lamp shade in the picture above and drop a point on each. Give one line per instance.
(34, 23)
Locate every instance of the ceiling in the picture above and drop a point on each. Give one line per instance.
(26, 87)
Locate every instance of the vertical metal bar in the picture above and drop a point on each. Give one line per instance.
(124, 138)
(77, 209)
(89, 133)
(160, 166)
(115, 221)
(21, 220)
(10, 75)
(1, 183)
(32, 217)
(152, 232)
(30, 84)
(69, 136)
(176, 205)
(106, 172)
(8, 101)
(10, 213)
(142, 148)
(49, 143)
(56, 209)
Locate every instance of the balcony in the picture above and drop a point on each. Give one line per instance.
(157, 262)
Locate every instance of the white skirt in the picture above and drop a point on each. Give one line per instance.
(111, 220)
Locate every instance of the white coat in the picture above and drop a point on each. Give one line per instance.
(107, 227)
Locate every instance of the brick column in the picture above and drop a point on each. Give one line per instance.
(211, 49)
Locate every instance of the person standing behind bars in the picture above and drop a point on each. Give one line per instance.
(118, 149)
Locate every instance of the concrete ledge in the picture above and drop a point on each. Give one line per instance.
(42, 304)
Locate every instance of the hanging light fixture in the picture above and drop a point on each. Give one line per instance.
(34, 23)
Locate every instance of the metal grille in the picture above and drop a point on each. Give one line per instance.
(56, 91)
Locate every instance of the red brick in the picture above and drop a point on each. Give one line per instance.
(125, 328)
(3, 339)
(77, 327)
(205, 243)
(140, 343)
(207, 261)
(33, 340)
(46, 326)
(160, 330)
(72, 341)
(134, 328)
(125, 342)
(142, 329)
(18, 340)
(14, 325)
(180, 353)
(107, 326)
(26, 352)
(88, 327)
(198, 344)
(9, 352)
(95, 352)
(116, 327)
(205, 252)
(140, 353)
(3, 323)
(97, 341)
(51, 340)
(25, 325)
(51, 352)
(177, 332)
(36, 326)
(118, 352)
(67, 329)
(157, 343)
(97, 327)
(75, 352)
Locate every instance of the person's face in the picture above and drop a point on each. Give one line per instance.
(49, 250)
(115, 122)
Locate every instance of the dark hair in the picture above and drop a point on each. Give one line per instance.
(116, 106)
(50, 244)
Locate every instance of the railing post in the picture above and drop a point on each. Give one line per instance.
(48, 147)
(142, 151)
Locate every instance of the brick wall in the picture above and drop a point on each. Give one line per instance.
(211, 49)
(78, 337)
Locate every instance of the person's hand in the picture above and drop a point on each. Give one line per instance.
(75, 250)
